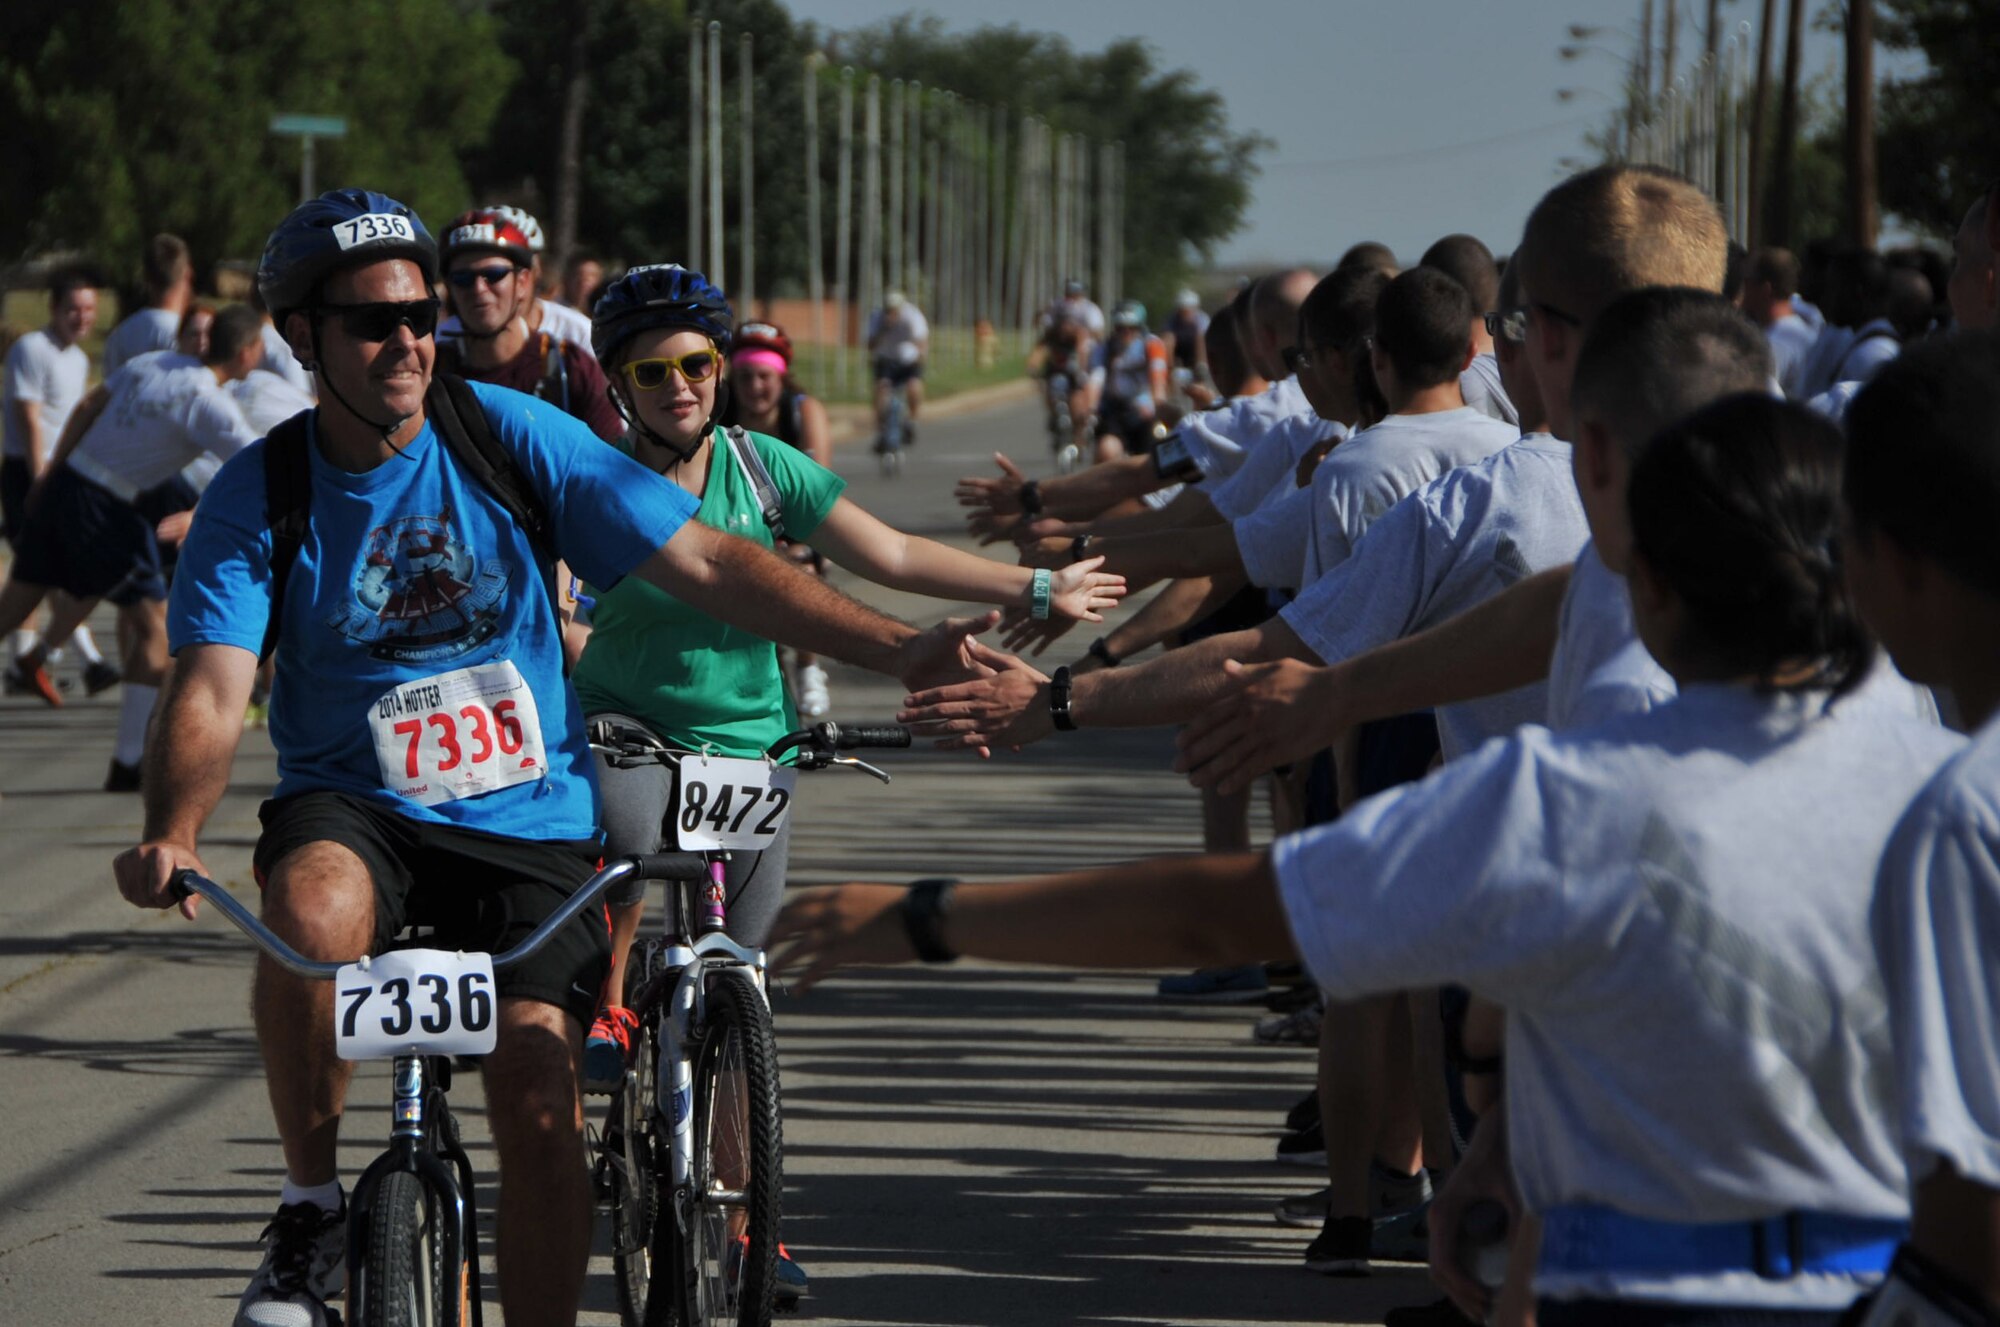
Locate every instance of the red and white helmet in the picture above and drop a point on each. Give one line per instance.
(524, 221)
(486, 230)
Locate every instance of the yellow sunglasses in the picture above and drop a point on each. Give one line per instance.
(649, 375)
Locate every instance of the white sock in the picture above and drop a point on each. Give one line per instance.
(55, 656)
(135, 707)
(86, 645)
(325, 1196)
(20, 642)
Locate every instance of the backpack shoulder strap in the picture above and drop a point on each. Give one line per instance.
(555, 373)
(759, 478)
(287, 510)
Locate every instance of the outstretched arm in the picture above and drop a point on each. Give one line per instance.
(1167, 912)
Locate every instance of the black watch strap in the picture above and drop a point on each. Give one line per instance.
(1079, 548)
(924, 907)
(1031, 497)
(1059, 689)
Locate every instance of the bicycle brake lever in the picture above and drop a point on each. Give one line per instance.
(861, 765)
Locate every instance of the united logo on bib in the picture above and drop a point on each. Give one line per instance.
(458, 734)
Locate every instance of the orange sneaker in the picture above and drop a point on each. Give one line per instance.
(608, 1048)
(36, 682)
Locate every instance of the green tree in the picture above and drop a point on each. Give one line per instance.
(152, 115)
(1940, 130)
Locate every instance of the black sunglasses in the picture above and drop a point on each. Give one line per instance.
(379, 321)
(466, 277)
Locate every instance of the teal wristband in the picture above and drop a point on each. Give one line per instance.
(1039, 594)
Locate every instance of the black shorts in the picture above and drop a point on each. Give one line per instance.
(86, 540)
(1128, 424)
(156, 504)
(896, 373)
(14, 482)
(481, 892)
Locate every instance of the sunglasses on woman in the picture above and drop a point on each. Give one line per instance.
(649, 375)
(379, 321)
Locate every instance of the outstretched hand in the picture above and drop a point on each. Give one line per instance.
(945, 653)
(1271, 714)
(1000, 496)
(1010, 707)
(1082, 593)
(824, 929)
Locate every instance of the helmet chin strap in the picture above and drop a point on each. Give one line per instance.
(680, 454)
(388, 431)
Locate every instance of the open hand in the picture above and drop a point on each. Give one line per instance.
(1272, 713)
(824, 929)
(1000, 496)
(944, 654)
(1010, 707)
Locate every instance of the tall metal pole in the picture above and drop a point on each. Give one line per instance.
(815, 237)
(843, 252)
(895, 163)
(996, 259)
(934, 246)
(910, 278)
(1758, 97)
(1863, 215)
(695, 134)
(746, 180)
(1785, 150)
(871, 195)
(718, 244)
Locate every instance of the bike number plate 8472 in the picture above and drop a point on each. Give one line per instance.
(725, 803)
(415, 1002)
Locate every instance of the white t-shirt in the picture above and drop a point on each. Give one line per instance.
(1673, 908)
(165, 410)
(1791, 343)
(1271, 468)
(267, 401)
(1481, 386)
(54, 378)
(1937, 928)
(1292, 542)
(141, 334)
(1218, 440)
(1454, 543)
(279, 360)
(903, 334)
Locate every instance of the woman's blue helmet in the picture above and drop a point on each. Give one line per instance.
(340, 227)
(659, 295)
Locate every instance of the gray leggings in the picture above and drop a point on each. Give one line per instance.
(635, 806)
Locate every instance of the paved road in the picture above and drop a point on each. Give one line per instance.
(980, 1145)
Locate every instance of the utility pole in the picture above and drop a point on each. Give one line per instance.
(1785, 151)
(1672, 36)
(1863, 214)
(815, 237)
(696, 66)
(718, 243)
(1646, 58)
(746, 178)
(569, 149)
(1757, 103)
(843, 217)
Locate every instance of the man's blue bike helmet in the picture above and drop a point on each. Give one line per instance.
(659, 295)
(332, 231)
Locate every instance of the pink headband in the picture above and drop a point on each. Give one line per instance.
(760, 359)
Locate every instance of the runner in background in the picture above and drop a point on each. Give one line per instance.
(168, 274)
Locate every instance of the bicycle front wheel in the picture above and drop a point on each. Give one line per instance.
(637, 1184)
(403, 1278)
(721, 1243)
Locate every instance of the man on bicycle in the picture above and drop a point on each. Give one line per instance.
(1071, 328)
(418, 644)
(1129, 373)
(899, 338)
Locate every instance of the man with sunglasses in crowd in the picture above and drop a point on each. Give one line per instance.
(419, 590)
(489, 265)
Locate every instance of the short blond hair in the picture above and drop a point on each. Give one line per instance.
(1618, 228)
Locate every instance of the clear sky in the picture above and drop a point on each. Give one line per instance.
(1397, 120)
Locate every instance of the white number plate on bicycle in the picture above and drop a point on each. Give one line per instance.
(415, 1002)
(727, 803)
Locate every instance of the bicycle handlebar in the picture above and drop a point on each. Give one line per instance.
(650, 866)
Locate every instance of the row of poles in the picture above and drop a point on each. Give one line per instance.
(1699, 126)
(975, 214)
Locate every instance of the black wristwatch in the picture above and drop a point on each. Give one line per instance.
(1102, 653)
(1059, 701)
(924, 907)
(1031, 497)
(1079, 547)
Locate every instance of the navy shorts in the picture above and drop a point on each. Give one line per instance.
(14, 482)
(896, 373)
(87, 541)
(481, 892)
(156, 504)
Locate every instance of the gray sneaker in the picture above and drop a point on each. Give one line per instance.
(305, 1265)
(1389, 1194)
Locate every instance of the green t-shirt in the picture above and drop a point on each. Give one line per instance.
(688, 677)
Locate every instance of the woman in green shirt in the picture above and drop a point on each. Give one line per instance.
(654, 663)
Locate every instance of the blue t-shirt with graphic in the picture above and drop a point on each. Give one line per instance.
(411, 571)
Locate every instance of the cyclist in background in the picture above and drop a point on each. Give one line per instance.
(672, 672)
(489, 266)
(1185, 329)
(899, 339)
(765, 398)
(1129, 373)
(1071, 328)
(543, 315)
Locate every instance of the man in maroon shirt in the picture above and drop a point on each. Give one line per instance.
(489, 266)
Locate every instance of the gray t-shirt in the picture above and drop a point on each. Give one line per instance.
(1293, 542)
(1271, 467)
(1483, 390)
(1452, 544)
(1937, 929)
(1218, 440)
(141, 334)
(1673, 908)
